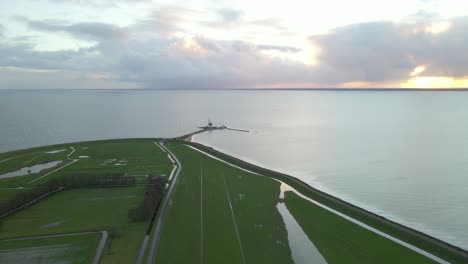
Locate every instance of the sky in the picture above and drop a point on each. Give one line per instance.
(229, 44)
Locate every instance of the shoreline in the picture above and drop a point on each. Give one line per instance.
(435, 246)
(412, 236)
(387, 214)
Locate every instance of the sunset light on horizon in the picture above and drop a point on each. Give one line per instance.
(103, 44)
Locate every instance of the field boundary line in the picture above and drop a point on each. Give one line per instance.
(234, 219)
(47, 174)
(30, 202)
(99, 250)
(201, 211)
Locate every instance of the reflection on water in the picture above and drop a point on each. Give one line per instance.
(29, 170)
(403, 155)
(303, 250)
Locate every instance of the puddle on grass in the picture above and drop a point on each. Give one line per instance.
(29, 170)
(53, 224)
(55, 151)
(303, 250)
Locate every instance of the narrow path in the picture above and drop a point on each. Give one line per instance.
(163, 150)
(11, 158)
(174, 167)
(234, 219)
(31, 160)
(71, 153)
(66, 165)
(163, 208)
(47, 174)
(365, 226)
(99, 250)
(15, 188)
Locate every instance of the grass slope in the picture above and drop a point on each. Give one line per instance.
(341, 241)
(437, 247)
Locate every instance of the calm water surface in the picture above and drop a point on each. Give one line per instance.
(403, 155)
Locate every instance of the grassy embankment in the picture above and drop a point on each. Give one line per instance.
(262, 232)
(94, 209)
(199, 226)
(439, 248)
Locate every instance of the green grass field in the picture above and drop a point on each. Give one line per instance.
(74, 211)
(438, 248)
(32, 157)
(6, 194)
(137, 157)
(218, 214)
(262, 233)
(81, 210)
(65, 249)
(341, 241)
(92, 209)
(211, 237)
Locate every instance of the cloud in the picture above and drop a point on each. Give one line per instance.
(230, 15)
(221, 64)
(149, 54)
(99, 3)
(89, 31)
(2, 31)
(287, 49)
(387, 51)
(271, 23)
(169, 20)
(24, 56)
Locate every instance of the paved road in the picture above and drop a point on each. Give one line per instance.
(100, 248)
(162, 215)
(141, 254)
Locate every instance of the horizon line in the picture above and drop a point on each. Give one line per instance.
(240, 89)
